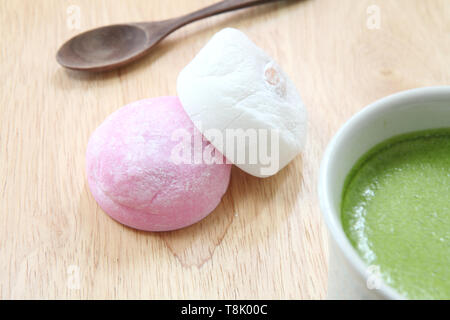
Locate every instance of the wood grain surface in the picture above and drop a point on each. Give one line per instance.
(267, 238)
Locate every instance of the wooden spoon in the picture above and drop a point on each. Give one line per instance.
(114, 46)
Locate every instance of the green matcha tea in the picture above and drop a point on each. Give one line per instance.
(396, 212)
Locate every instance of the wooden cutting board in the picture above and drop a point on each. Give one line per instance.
(267, 238)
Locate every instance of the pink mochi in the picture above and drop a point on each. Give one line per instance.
(132, 174)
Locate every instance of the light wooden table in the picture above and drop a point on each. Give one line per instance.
(267, 238)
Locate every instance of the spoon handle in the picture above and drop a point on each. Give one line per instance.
(217, 8)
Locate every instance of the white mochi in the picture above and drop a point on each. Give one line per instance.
(232, 84)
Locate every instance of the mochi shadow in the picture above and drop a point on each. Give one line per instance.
(250, 204)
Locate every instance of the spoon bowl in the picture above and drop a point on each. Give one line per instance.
(104, 48)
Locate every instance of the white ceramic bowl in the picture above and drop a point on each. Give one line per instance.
(407, 111)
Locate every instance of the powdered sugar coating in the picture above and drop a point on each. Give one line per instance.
(133, 178)
(232, 84)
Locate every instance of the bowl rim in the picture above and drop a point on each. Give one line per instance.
(333, 225)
